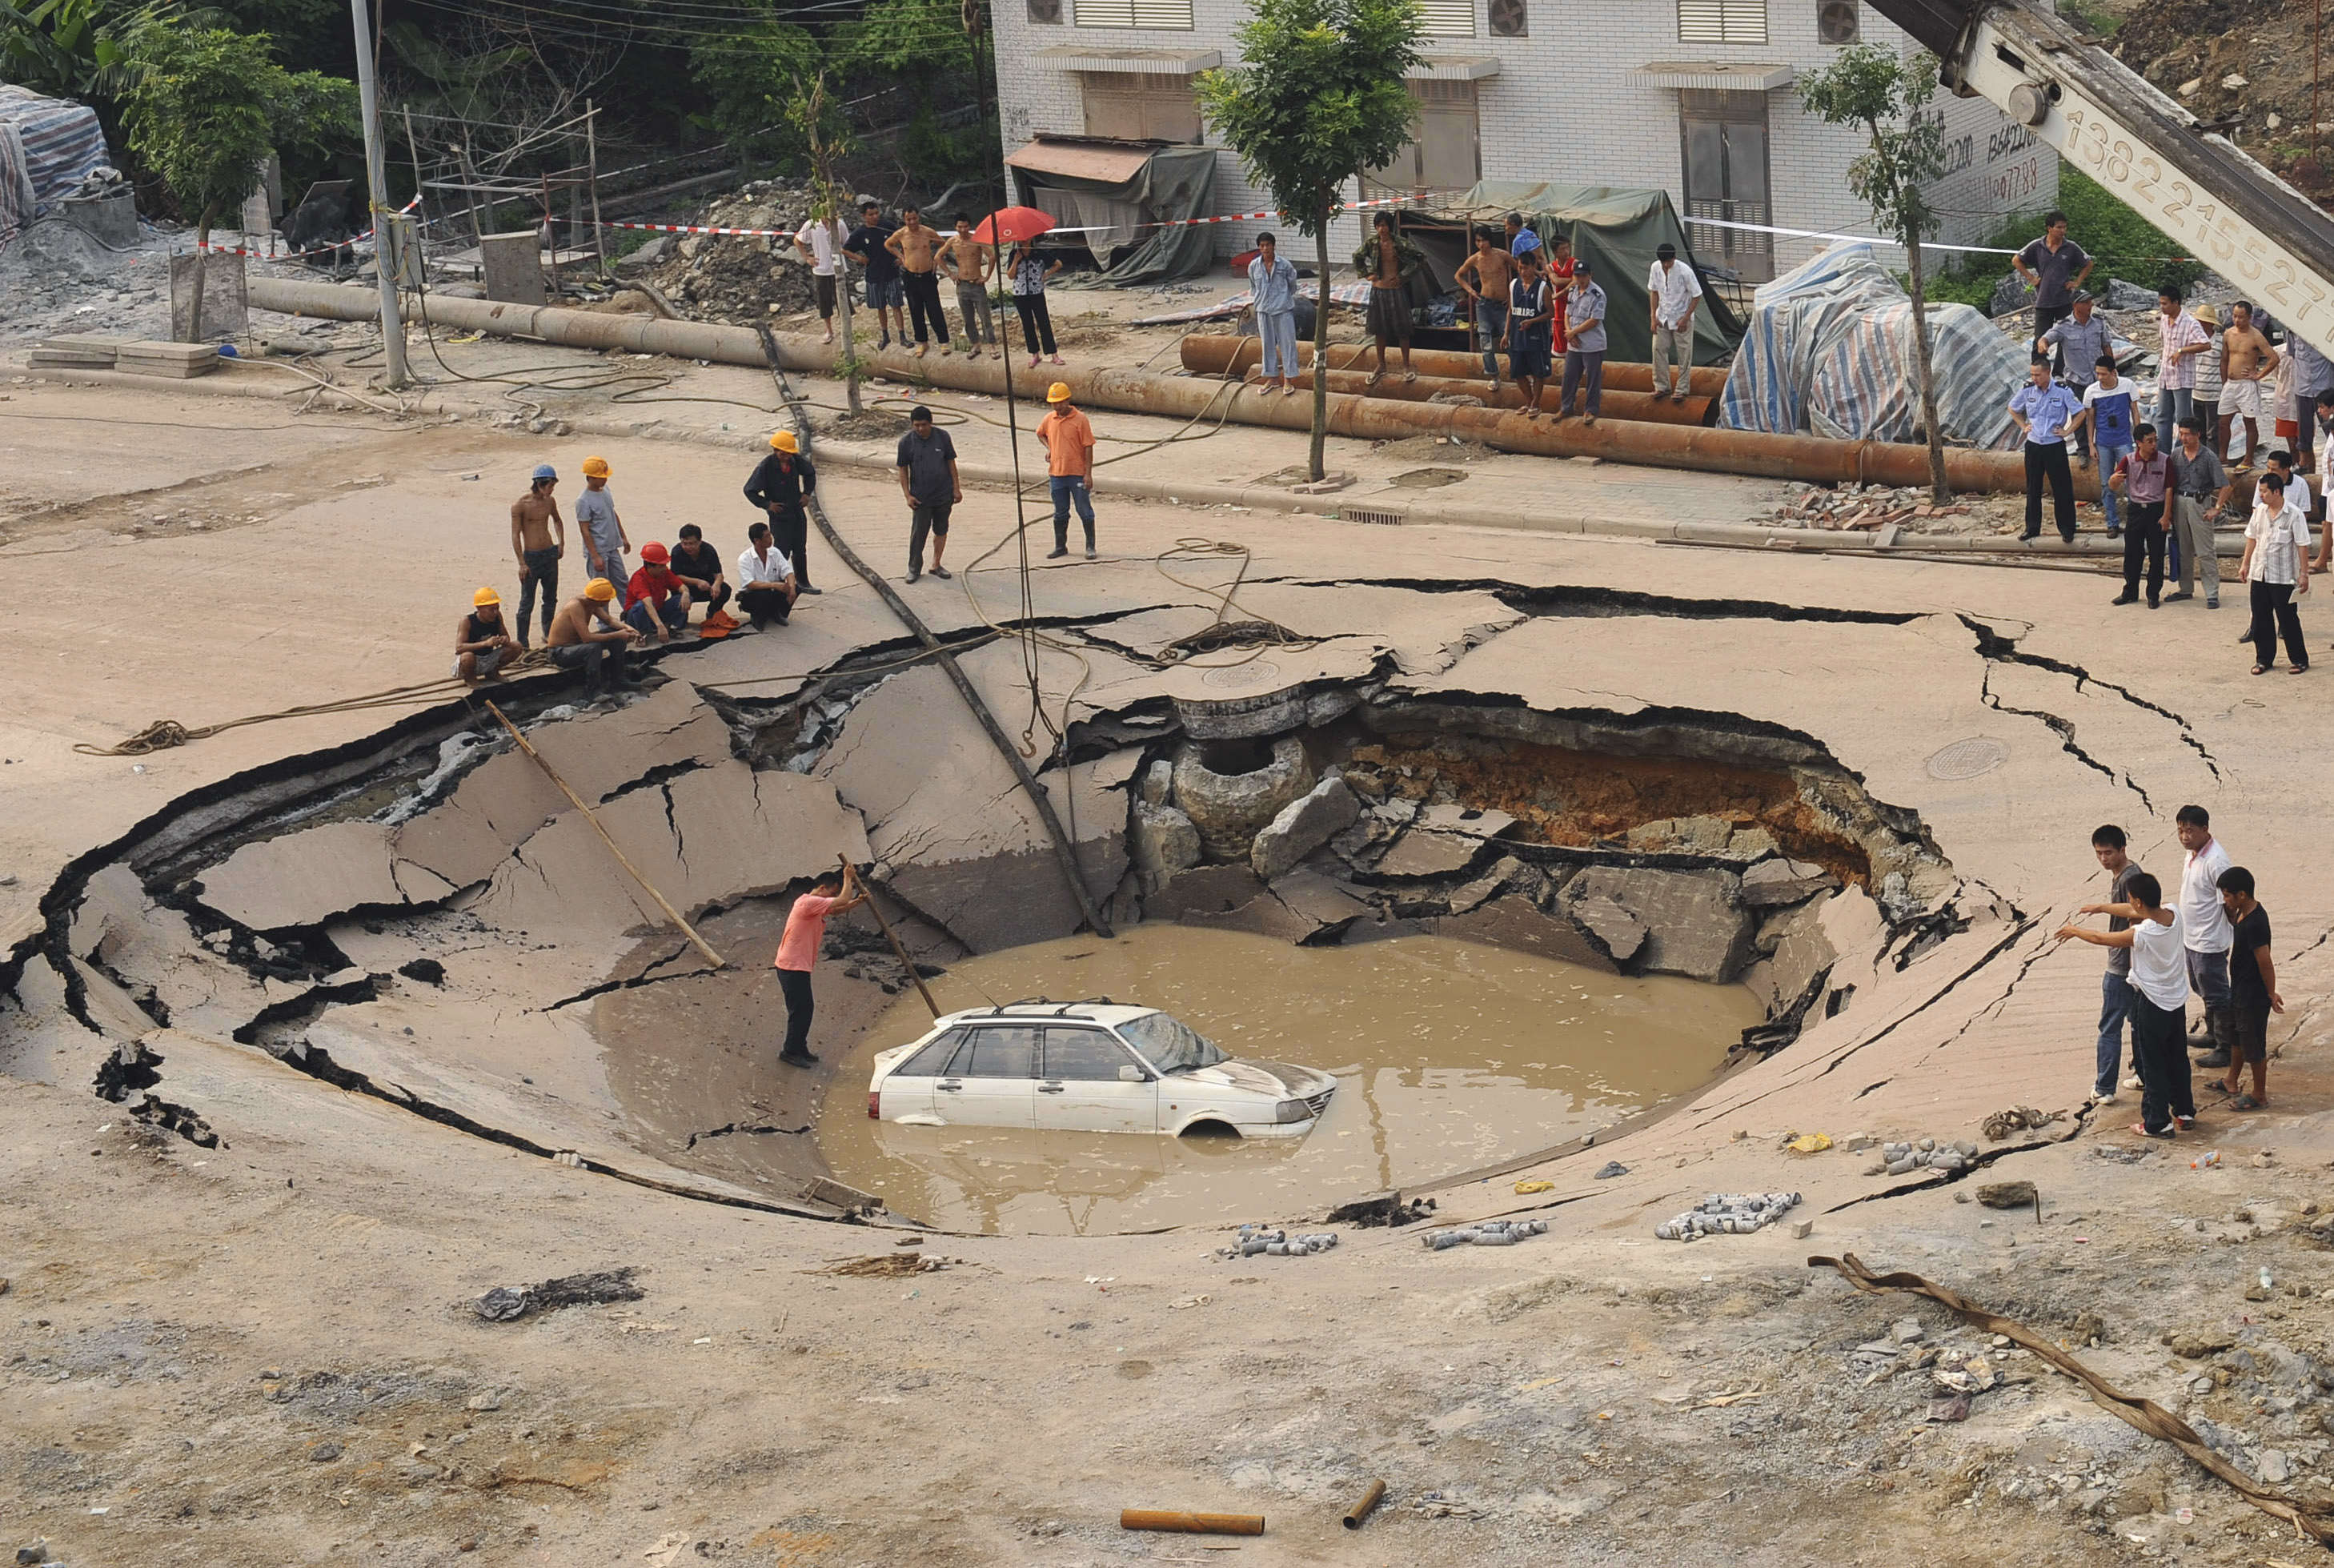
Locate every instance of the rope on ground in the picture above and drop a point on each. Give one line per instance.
(2309, 1520)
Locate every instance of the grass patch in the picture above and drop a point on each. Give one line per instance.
(2123, 244)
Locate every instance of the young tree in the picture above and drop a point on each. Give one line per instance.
(1318, 98)
(208, 105)
(819, 122)
(1882, 94)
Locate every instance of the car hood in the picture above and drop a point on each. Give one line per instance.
(1274, 1078)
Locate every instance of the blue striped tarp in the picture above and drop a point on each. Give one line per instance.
(1828, 349)
(16, 185)
(63, 141)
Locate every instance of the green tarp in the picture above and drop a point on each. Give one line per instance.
(1175, 182)
(1615, 229)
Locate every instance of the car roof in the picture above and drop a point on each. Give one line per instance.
(1101, 1010)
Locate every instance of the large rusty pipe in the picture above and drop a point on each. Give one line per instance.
(1801, 458)
(1642, 405)
(1220, 353)
(1177, 1522)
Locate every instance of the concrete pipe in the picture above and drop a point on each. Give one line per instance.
(1217, 353)
(1640, 405)
(1230, 808)
(1797, 458)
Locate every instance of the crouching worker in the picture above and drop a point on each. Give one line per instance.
(483, 645)
(765, 580)
(698, 566)
(585, 635)
(656, 602)
(835, 893)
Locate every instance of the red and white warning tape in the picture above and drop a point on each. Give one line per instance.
(296, 254)
(1159, 223)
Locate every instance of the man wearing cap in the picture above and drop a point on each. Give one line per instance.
(1673, 291)
(777, 486)
(2078, 340)
(765, 580)
(604, 540)
(698, 566)
(926, 463)
(1582, 311)
(1069, 461)
(585, 636)
(538, 538)
(656, 602)
(1272, 286)
(482, 643)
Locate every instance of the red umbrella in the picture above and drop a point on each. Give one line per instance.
(1017, 224)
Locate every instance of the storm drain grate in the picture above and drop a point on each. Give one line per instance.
(1363, 514)
(1968, 758)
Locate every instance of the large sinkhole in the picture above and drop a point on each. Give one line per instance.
(1500, 930)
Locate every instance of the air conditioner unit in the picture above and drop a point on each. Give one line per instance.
(1508, 18)
(1839, 21)
(1046, 11)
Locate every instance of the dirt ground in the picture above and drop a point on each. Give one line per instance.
(264, 1347)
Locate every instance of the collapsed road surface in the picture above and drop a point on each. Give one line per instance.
(304, 1056)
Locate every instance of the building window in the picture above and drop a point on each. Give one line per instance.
(1137, 106)
(1173, 15)
(1447, 153)
(1449, 19)
(1839, 21)
(1724, 153)
(1722, 21)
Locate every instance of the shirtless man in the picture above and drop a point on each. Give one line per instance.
(966, 260)
(2246, 363)
(538, 538)
(1388, 261)
(917, 248)
(585, 636)
(482, 643)
(1485, 275)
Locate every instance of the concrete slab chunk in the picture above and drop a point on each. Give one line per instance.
(304, 878)
(1518, 925)
(1694, 921)
(1785, 881)
(1302, 826)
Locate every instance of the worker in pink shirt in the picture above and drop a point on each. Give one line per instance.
(798, 953)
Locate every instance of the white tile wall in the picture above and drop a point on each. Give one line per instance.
(1562, 108)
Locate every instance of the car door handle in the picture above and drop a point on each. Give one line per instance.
(1049, 1088)
(949, 1088)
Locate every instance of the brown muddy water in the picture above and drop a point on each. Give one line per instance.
(1448, 1056)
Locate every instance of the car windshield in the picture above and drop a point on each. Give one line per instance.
(1170, 1046)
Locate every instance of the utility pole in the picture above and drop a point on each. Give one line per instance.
(392, 325)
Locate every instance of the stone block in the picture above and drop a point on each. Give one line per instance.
(1302, 826)
(1158, 782)
(1785, 881)
(1611, 925)
(1694, 923)
(1163, 842)
(1515, 923)
(1203, 889)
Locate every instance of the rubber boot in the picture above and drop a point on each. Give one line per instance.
(2223, 1022)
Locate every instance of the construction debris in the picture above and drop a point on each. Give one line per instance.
(1927, 1154)
(746, 280)
(2019, 1119)
(1489, 1233)
(1256, 1241)
(1860, 508)
(505, 1303)
(887, 1265)
(1728, 1213)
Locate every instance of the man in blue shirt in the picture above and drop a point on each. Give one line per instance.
(2043, 409)
(1583, 308)
(1272, 285)
(2108, 415)
(2078, 340)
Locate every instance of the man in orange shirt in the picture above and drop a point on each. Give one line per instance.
(798, 954)
(1069, 444)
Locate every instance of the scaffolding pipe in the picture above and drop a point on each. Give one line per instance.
(1803, 459)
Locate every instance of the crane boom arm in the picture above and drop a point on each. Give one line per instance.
(2225, 209)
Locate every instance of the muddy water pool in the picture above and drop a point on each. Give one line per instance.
(1448, 1056)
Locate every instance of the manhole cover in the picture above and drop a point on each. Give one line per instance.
(1426, 478)
(1968, 758)
(1248, 677)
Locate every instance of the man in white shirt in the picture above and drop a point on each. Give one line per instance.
(2205, 926)
(820, 240)
(2276, 567)
(1673, 291)
(765, 580)
(2159, 1003)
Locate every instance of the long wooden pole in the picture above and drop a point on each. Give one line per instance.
(672, 914)
(898, 951)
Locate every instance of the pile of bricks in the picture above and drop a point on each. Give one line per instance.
(1859, 506)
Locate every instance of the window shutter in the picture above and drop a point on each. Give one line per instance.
(1166, 16)
(1722, 21)
(1450, 19)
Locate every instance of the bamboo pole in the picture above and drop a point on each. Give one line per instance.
(898, 951)
(687, 930)
(592, 165)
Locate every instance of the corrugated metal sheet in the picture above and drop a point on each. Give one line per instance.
(1828, 350)
(1082, 160)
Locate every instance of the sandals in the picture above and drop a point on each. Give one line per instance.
(2245, 1103)
(2261, 669)
(2141, 1128)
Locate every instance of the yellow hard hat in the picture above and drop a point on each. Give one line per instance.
(484, 597)
(600, 588)
(784, 440)
(1059, 393)
(595, 467)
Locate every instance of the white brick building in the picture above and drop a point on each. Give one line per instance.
(1692, 96)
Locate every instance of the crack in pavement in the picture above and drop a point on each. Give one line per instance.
(1574, 598)
(647, 976)
(1993, 647)
(2064, 730)
(736, 1129)
(1932, 1179)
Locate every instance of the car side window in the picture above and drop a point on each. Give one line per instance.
(997, 1051)
(929, 1062)
(1083, 1053)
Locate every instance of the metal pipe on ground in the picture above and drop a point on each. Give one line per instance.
(1177, 1522)
(1640, 405)
(1806, 459)
(1221, 353)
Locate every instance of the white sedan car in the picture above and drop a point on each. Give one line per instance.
(1088, 1067)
